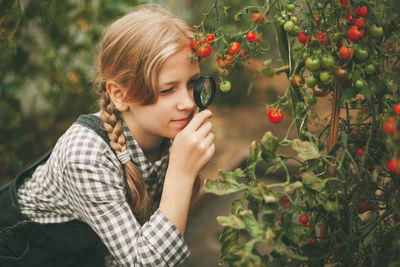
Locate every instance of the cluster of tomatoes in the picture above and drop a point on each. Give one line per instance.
(347, 42)
(202, 46)
(391, 127)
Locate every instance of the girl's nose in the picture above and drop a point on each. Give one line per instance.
(186, 101)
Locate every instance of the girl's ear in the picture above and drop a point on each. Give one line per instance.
(117, 95)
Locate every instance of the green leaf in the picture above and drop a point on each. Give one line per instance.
(267, 72)
(311, 181)
(306, 150)
(269, 144)
(243, 255)
(255, 151)
(298, 234)
(254, 228)
(227, 183)
(232, 221)
(229, 238)
(267, 194)
(366, 91)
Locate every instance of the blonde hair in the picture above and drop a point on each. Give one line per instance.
(132, 52)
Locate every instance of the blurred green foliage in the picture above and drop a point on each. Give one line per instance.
(47, 63)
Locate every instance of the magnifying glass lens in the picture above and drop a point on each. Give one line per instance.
(204, 92)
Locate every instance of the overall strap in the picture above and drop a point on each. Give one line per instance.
(90, 121)
(95, 123)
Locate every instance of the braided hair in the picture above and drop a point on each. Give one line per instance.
(132, 52)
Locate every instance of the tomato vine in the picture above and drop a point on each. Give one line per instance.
(342, 206)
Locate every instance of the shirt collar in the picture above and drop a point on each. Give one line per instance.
(137, 155)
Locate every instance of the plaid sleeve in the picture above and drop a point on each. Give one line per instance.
(96, 193)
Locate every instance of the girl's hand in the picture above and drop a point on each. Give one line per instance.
(192, 148)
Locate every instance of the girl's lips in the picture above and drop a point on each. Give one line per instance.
(183, 121)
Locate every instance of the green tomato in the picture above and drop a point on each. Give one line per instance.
(312, 100)
(288, 26)
(291, 7)
(327, 61)
(225, 86)
(295, 31)
(376, 31)
(311, 81)
(361, 53)
(370, 68)
(313, 63)
(325, 76)
(305, 55)
(360, 83)
(295, 20)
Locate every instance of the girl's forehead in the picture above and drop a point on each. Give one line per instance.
(179, 64)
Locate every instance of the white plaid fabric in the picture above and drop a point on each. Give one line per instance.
(83, 180)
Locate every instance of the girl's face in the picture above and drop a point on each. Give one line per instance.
(174, 107)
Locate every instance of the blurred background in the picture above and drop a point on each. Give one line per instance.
(48, 50)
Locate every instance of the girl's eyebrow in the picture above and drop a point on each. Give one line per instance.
(197, 75)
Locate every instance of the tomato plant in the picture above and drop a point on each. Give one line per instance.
(343, 202)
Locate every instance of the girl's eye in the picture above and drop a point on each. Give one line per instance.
(166, 91)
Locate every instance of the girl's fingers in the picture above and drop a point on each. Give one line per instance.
(204, 129)
(208, 140)
(198, 120)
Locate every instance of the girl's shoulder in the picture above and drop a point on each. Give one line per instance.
(82, 144)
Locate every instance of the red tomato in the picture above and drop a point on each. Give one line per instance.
(354, 34)
(284, 199)
(210, 38)
(388, 127)
(343, 2)
(360, 152)
(226, 62)
(204, 51)
(316, 17)
(303, 38)
(322, 39)
(359, 22)
(275, 116)
(303, 219)
(234, 48)
(311, 241)
(251, 36)
(397, 109)
(393, 166)
(297, 81)
(195, 44)
(361, 12)
(346, 53)
(257, 17)
(349, 15)
(258, 39)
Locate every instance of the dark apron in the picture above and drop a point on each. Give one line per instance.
(27, 243)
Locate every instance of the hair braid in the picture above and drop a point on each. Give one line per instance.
(137, 197)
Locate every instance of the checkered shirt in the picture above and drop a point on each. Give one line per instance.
(83, 180)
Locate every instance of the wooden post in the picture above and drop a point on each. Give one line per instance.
(333, 133)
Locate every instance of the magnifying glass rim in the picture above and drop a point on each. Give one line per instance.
(197, 91)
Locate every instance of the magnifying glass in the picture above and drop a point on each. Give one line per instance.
(204, 92)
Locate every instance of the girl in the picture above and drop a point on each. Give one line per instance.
(127, 197)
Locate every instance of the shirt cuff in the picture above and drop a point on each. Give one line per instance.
(165, 237)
